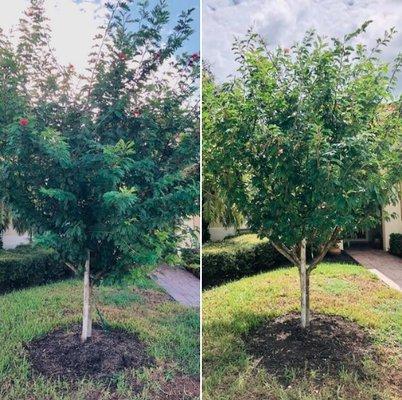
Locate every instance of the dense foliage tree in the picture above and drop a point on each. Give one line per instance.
(306, 142)
(216, 207)
(107, 173)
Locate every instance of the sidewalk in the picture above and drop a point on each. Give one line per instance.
(386, 266)
(183, 286)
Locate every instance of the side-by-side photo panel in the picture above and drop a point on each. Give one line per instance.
(99, 200)
(301, 200)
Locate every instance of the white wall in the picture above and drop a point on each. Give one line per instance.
(393, 225)
(12, 239)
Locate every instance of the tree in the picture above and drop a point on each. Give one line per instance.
(106, 174)
(216, 207)
(309, 142)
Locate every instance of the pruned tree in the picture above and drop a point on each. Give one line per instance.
(310, 143)
(106, 174)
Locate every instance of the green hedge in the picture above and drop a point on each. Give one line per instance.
(236, 257)
(191, 260)
(395, 244)
(26, 266)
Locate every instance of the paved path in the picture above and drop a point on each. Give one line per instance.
(386, 266)
(183, 286)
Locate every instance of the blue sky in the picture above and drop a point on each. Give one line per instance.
(282, 22)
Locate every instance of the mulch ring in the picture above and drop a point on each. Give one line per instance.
(60, 354)
(329, 345)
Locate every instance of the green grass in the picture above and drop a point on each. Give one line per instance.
(232, 310)
(233, 244)
(170, 331)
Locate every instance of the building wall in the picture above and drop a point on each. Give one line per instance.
(218, 232)
(11, 239)
(394, 225)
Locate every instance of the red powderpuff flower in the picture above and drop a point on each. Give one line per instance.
(136, 113)
(122, 56)
(287, 50)
(195, 56)
(24, 122)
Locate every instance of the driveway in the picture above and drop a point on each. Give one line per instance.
(386, 266)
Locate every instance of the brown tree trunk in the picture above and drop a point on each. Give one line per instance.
(86, 314)
(304, 286)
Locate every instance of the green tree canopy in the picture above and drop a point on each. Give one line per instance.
(306, 141)
(107, 173)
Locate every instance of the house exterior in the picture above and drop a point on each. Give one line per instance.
(11, 238)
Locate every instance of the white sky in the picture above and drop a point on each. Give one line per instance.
(282, 22)
(73, 24)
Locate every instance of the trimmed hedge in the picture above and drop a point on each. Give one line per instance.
(27, 266)
(236, 257)
(191, 260)
(395, 244)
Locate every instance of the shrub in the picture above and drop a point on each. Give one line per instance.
(27, 266)
(237, 257)
(395, 244)
(191, 260)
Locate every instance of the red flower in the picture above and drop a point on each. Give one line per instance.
(195, 56)
(136, 113)
(122, 56)
(24, 122)
(287, 50)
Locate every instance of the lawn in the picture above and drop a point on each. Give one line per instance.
(233, 311)
(170, 332)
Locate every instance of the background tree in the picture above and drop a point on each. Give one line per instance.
(216, 206)
(105, 175)
(309, 143)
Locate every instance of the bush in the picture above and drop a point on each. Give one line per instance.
(237, 257)
(27, 266)
(191, 260)
(395, 244)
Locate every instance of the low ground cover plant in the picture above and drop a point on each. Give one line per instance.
(236, 257)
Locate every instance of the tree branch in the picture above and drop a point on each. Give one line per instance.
(71, 267)
(289, 254)
(325, 249)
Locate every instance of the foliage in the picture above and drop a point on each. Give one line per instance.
(305, 142)
(395, 244)
(217, 207)
(111, 167)
(191, 260)
(232, 310)
(237, 257)
(26, 266)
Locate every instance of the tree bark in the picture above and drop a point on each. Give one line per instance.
(304, 286)
(86, 314)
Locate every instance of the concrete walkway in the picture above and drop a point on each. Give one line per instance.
(386, 266)
(183, 286)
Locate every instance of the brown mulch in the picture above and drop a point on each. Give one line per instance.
(60, 354)
(329, 345)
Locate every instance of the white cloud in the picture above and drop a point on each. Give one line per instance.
(73, 24)
(282, 22)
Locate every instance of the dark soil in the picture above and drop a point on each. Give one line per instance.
(60, 354)
(329, 345)
(343, 257)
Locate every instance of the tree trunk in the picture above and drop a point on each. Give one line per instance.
(86, 314)
(304, 286)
